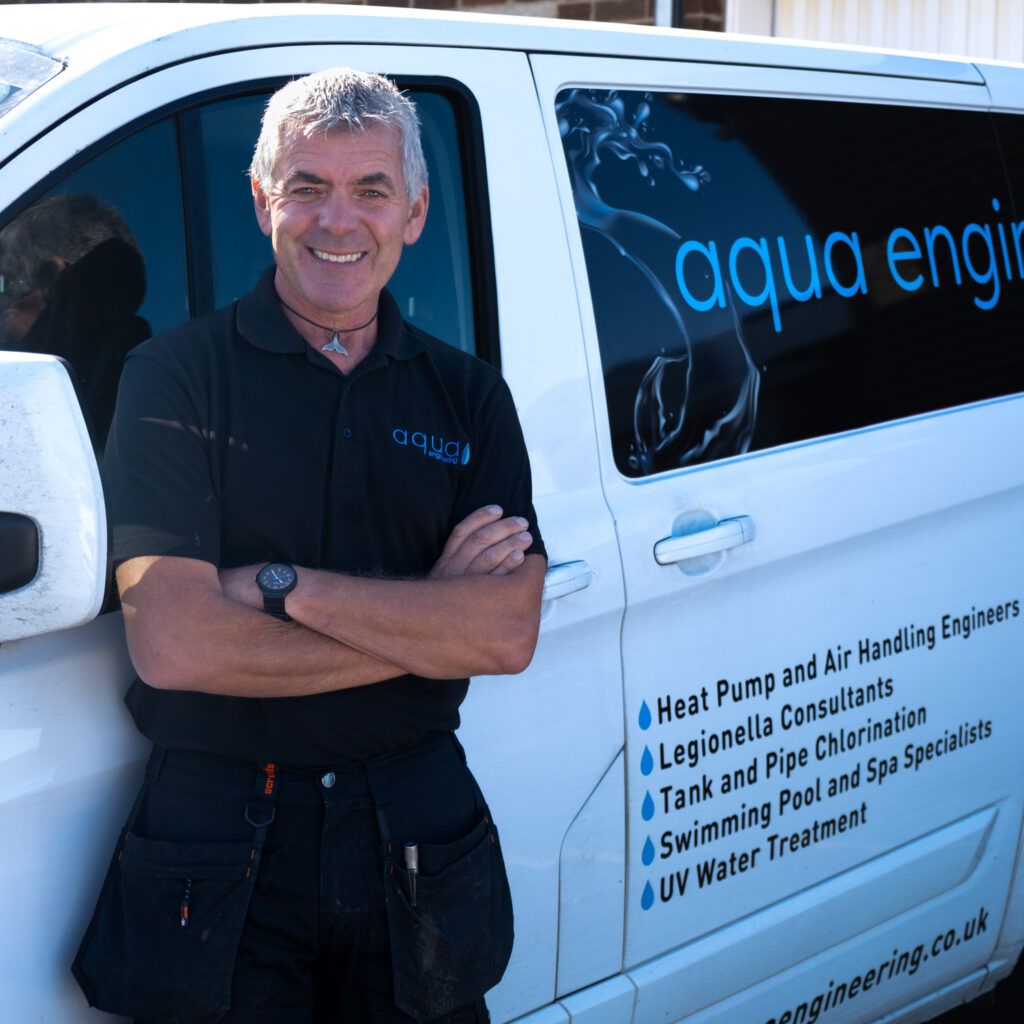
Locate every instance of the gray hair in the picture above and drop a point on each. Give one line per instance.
(340, 98)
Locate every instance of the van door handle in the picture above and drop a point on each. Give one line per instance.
(566, 578)
(729, 533)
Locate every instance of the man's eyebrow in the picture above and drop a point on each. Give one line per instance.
(306, 177)
(376, 178)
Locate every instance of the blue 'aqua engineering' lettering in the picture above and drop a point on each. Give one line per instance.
(759, 272)
(454, 452)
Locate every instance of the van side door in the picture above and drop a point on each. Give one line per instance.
(802, 295)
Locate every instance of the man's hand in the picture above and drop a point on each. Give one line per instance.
(484, 544)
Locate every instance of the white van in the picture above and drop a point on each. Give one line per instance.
(761, 308)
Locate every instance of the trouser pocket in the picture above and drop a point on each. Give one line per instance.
(163, 939)
(451, 926)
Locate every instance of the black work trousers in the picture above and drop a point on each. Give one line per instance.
(315, 946)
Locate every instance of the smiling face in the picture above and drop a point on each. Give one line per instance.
(337, 214)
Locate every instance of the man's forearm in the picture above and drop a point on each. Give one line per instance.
(216, 645)
(255, 655)
(191, 626)
(438, 628)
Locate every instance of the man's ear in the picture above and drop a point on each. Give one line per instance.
(417, 217)
(261, 202)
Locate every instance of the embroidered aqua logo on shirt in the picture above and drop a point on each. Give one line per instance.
(453, 452)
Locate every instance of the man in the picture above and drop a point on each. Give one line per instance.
(322, 524)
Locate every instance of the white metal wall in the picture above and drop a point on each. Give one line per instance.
(975, 28)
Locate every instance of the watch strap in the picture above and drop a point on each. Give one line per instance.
(273, 604)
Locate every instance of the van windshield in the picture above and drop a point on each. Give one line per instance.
(22, 71)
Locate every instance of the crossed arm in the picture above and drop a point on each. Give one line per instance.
(192, 627)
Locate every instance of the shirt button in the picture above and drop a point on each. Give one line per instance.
(327, 780)
(347, 432)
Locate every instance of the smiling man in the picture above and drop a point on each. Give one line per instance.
(306, 588)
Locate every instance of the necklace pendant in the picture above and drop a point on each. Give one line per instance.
(334, 345)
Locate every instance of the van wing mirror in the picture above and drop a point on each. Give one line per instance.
(53, 526)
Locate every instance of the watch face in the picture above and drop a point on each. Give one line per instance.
(276, 577)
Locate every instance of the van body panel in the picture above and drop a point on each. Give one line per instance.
(1001, 966)
(265, 26)
(947, 998)
(72, 764)
(555, 72)
(1003, 85)
(610, 1002)
(101, 58)
(946, 869)
(823, 916)
(554, 1014)
(593, 862)
(1012, 934)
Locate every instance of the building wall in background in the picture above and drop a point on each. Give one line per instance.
(974, 28)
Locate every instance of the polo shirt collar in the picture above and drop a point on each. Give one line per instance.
(260, 319)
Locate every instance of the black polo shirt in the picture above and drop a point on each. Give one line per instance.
(235, 442)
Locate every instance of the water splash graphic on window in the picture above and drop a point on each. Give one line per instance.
(697, 399)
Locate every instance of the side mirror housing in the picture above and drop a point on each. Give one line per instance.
(53, 525)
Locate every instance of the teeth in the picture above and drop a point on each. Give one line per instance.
(333, 258)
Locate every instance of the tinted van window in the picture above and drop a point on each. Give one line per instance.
(432, 284)
(764, 271)
(97, 264)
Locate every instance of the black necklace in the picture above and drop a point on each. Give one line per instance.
(334, 345)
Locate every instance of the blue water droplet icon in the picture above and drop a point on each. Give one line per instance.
(647, 762)
(648, 855)
(647, 899)
(647, 809)
(645, 716)
(465, 455)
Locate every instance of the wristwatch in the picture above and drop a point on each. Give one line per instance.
(276, 581)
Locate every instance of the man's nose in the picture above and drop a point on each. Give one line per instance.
(337, 213)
